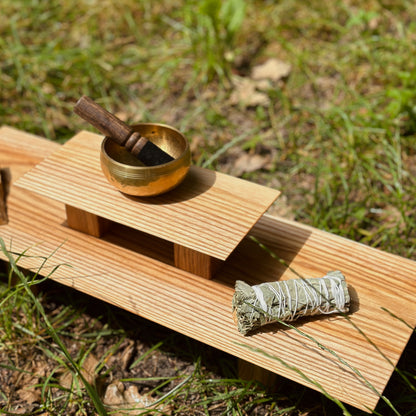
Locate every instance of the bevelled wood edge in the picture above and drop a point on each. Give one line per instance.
(5, 179)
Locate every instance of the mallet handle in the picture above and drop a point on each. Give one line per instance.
(118, 131)
(107, 123)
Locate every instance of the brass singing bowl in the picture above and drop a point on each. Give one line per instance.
(130, 176)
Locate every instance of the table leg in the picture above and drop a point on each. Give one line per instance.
(86, 222)
(195, 262)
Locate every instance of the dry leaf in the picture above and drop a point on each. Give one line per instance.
(65, 379)
(133, 397)
(281, 208)
(128, 401)
(88, 371)
(249, 163)
(114, 394)
(127, 354)
(273, 69)
(88, 368)
(29, 395)
(246, 93)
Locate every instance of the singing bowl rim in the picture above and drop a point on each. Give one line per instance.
(155, 167)
(116, 172)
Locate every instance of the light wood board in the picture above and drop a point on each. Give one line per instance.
(209, 212)
(118, 270)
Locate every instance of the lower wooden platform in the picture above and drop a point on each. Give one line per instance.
(135, 271)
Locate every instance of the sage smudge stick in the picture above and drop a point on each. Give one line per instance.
(288, 300)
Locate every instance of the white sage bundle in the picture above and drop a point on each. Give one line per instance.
(288, 300)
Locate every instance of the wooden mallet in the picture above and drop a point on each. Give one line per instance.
(118, 131)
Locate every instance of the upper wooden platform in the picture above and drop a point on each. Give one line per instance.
(209, 212)
(135, 271)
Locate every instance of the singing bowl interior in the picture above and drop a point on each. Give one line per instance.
(130, 176)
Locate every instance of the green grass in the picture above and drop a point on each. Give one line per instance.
(340, 130)
(47, 338)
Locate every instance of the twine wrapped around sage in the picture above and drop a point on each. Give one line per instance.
(288, 300)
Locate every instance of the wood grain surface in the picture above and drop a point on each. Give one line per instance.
(135, 271)
(209, 212)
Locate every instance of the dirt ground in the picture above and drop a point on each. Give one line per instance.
(132, 361)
